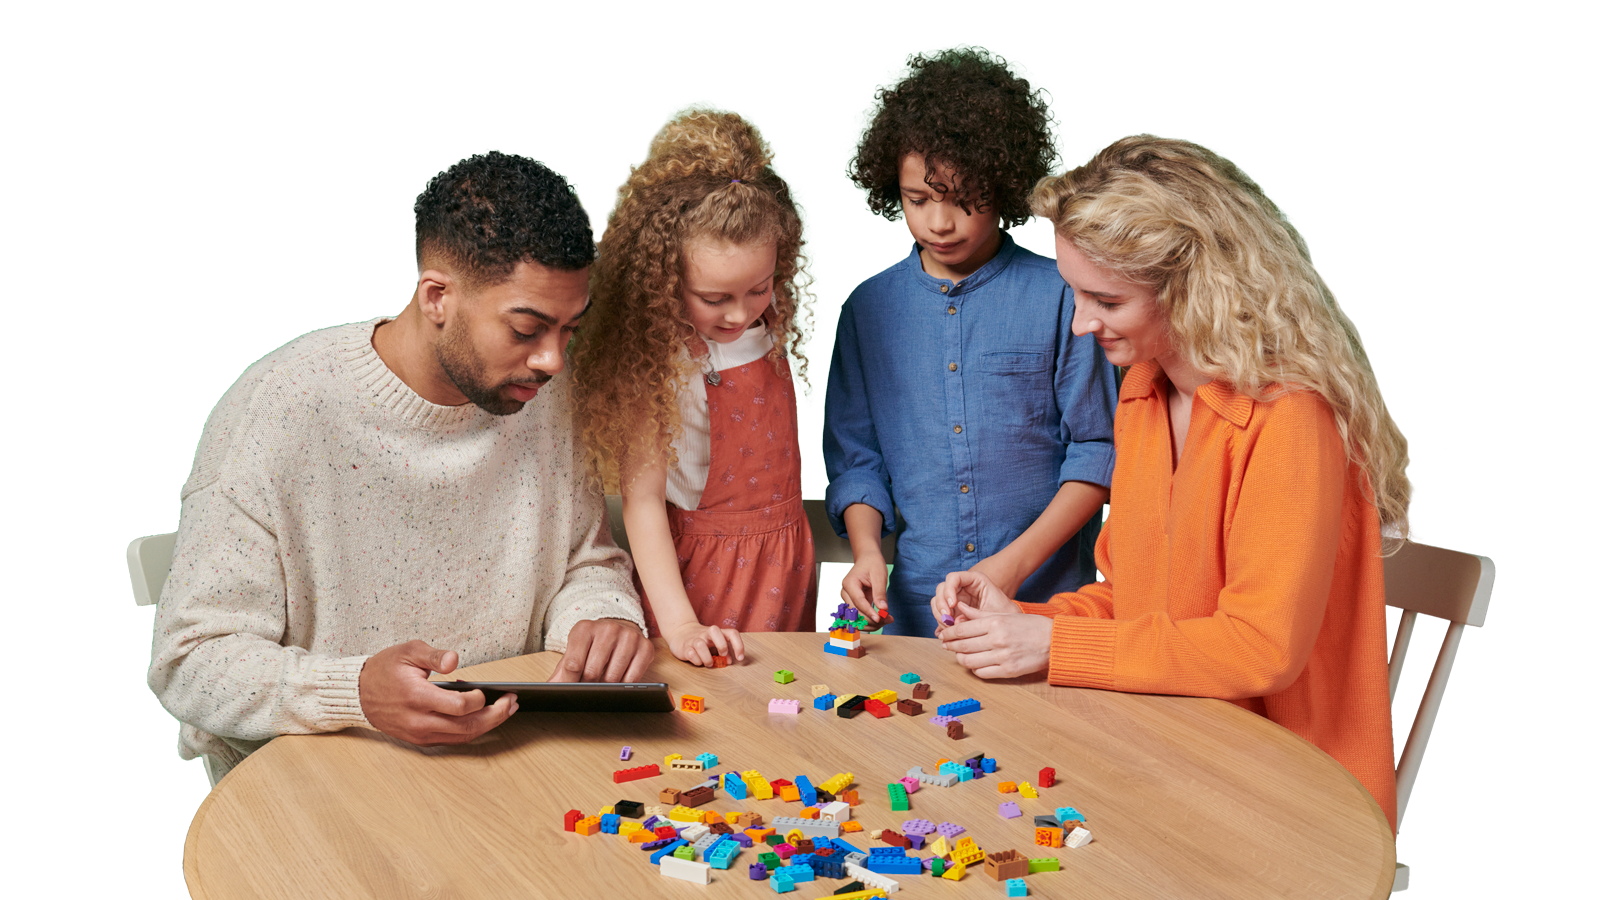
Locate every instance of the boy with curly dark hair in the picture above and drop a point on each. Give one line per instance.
(958, 395)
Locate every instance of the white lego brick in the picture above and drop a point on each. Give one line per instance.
(684, 870)
(870, 878)
(694, 832)
(837, 811)
(1080, 837)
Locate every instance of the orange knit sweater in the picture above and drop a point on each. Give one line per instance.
(1251, 573)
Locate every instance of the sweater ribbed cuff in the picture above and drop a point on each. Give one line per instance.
(1083, 652)
(338, 691)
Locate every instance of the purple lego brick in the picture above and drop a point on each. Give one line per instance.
(942, 721)
(1009, 810)
(950, 829)
(927, 861)
(627, 754)
(915, 841)
(916, 826)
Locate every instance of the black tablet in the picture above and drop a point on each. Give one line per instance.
(573, 696)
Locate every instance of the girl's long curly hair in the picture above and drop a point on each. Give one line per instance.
(708, 176)
(1235, 282)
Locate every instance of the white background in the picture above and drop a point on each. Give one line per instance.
(187, 188)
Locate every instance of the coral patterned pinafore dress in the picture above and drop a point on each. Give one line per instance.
(746, 553)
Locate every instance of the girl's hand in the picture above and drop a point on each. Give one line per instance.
(696, 643)
(864, 587)
(972, 588)
(999, 644)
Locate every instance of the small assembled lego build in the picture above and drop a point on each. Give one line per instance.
(691, 703)
(783, 676)
(920, 690)
(1047, 777)
(636, 773)
(786, 707)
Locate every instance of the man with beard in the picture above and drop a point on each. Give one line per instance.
(371, 502)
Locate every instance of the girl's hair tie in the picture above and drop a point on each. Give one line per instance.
(734, 181)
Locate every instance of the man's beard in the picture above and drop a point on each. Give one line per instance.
(462, 365)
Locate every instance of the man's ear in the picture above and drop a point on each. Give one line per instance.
(438, 292)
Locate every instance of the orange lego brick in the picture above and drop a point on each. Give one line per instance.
(588, 826)
(691, 703)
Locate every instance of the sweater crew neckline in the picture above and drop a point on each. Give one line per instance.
(386, 390)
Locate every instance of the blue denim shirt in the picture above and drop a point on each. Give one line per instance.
(966, 406)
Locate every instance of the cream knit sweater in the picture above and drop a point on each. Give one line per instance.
(332, 512)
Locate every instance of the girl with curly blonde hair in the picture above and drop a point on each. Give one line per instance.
(683, 390)
(1257, 466)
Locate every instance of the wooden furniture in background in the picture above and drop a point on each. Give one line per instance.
(1464, 521)
(1185, 797)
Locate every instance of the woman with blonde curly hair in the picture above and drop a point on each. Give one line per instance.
(1243, 554)
(683, 390)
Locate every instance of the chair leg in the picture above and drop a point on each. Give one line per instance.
(1402, 878)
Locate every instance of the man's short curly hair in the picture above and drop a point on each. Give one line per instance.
(488, 213)
(964, 109)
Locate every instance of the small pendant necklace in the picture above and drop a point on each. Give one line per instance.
(713, 377)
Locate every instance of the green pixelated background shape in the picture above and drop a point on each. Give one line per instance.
(1096, 100)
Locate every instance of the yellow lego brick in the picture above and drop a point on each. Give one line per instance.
(1027, 790)
(861, 895)
(607, 810)
(885, 696)
(955, 871)
(967, 852)
(629, 828)
(838, 783)
(667, 763)
(940, 847)
(685, 814)
(794, 836)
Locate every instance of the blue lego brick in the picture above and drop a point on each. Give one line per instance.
(910, 678)
(609, 823)
(893, 861)
(655, 858)
(964, 773)
(988, 764)
(828, 866)
(1066, 814)
(799, 873)
(735, 786)
(843, 847)
(709, 760)
(808, 794)
(722, 855)
(836, 651)
(781, 883)
(825, 702)
(1016, 887)
(959, 707)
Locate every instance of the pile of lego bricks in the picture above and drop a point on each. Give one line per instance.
(687, 842)
(880, 704)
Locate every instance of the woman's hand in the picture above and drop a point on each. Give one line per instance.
(997, 644)
(865, 584)
(696, 643)
(972, 588)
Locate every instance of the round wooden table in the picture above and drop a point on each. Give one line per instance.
(1186, 798)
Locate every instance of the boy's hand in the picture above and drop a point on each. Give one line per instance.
(696, 643)
(864, 587)
(972, 588)
(1000, 570)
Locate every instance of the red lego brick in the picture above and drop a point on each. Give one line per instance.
(1047, 777)
(877, 708)
(635, 773)
(571, 819)
(909, 707)
(719, 662)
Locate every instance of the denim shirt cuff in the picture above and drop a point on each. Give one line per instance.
(1090, 461)
(858, 487)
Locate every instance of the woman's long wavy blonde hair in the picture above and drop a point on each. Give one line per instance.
(708, 176)
(1235, 282)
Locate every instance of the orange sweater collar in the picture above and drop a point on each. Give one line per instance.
(1143, 379)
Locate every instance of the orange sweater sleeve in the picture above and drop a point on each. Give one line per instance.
(1092, 600)
(1282, 536)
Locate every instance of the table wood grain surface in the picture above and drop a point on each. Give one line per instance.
(1186, 798)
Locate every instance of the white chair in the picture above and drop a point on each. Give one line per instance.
(149, 561)
(830, 548)
(1447, 585)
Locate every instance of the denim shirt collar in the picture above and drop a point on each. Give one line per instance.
(1002, 259)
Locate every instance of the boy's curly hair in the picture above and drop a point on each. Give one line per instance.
(708, 175)
(962, 108)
